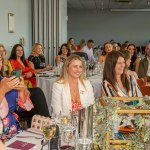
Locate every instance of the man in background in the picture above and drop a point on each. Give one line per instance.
(144, 66)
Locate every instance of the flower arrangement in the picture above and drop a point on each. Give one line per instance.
(104, 116)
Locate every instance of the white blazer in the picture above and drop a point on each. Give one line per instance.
(61, 97)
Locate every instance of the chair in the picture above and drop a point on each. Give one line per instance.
(82, 54)
(142, 81)
(145, 90)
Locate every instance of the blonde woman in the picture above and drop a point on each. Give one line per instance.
(7, 66)
(71, 91)
(37, 60)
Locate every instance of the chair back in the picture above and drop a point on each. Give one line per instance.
(142, 81)
(145, 90)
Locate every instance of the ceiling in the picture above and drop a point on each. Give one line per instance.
(109, 4)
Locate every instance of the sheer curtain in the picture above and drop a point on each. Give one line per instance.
(45, 26)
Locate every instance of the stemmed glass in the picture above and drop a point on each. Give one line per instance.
(92, 66)
(48, 131)
(1, 127)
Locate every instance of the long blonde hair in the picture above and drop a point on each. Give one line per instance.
(1, 45)
(2, 69)
(64, 73)
(33, 53)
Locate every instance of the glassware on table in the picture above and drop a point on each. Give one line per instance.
(84, 143)
(48, 131)
(68, 138)
(1, 127)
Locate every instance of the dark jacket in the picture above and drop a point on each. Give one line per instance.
(143, 67)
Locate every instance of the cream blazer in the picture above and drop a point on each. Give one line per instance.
(61, 97)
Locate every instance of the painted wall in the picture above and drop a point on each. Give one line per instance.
(63, 22)
(22, 23)
(105, 25)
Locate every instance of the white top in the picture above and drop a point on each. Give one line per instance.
(148, 70)
(89, 52)
(61, 97)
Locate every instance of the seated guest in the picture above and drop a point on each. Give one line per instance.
(71, 45)
(107, 49)
(17, 60)
(127, 57)
(144, 66)
(6, 65)
(71, 91)
(115, 82)
(37, 59)
(81, 45)
(63, 54)
(135, 60)
(88, 49)
(16, 99)
(13, 95)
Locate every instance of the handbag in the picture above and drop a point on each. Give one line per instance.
(39, 121)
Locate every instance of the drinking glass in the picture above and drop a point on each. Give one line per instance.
(1, 127)
(68, 138)
(84, 143)
(48, 131)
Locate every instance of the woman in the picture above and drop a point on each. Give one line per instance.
(115, 82)
(63, 54)
(135, 60)
(13, 95)
(71, 91)
(17, 60)
(127, 57)
(37, 60)
(107, 49)
(71, 45)
(6, 63)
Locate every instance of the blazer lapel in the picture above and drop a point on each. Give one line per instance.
(67, 96)
(83, 93)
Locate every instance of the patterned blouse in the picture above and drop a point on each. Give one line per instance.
(114, 90)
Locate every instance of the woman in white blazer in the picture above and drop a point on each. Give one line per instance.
(71, 91)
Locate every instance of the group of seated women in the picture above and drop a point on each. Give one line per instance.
(16, 100)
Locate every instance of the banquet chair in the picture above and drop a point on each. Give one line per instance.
(142, 81)
(145, 90)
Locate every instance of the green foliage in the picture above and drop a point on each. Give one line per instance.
(104, 117)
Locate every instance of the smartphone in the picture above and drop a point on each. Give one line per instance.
(16, 73)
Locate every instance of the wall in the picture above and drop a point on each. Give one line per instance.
(105, 25)
(23, 27)
(63, 22)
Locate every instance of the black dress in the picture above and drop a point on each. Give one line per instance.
(38, 61)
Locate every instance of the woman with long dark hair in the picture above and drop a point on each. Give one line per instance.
(115, 81)
(135, 60)
(17, 60)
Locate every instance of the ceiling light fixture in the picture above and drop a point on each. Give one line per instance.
(130, 10)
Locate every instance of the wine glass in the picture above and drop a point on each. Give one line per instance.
(67, 138)
(48, 131)
(1, 127)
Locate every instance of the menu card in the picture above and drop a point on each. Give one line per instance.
(21, 145)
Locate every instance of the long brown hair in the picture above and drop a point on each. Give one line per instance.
(64, 74)
(109, 69)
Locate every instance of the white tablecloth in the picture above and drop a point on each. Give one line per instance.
(46, 83)
(32, 140)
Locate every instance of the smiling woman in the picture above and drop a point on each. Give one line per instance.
(71, 91)
(116, 83)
